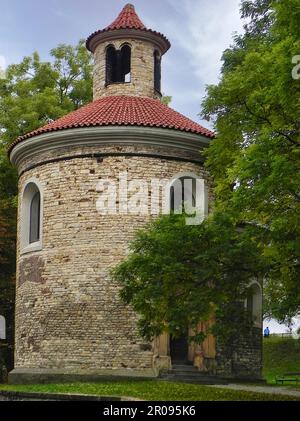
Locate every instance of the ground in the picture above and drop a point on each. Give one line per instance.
(152, 390)
(280, 356)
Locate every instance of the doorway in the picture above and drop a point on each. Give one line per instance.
(179, 349)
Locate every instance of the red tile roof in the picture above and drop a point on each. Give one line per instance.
(122, 111)
(127, 19)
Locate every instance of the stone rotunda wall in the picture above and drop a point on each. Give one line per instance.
(69, 316)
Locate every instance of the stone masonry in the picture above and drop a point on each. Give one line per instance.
(69, 315)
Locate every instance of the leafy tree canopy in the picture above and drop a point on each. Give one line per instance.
(254, 159)
(178, 275)
(36, 92)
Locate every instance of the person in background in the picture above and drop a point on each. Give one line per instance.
(266, 332)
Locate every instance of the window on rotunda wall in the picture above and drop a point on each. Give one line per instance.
(118, 64)
(2, 327)
(182, 192)
(157, 71)
(187, 193)
(31, 218)
(34, 223)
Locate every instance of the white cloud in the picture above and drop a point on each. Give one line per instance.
(206, 31)
(199, 31)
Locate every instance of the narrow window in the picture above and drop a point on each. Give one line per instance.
(111, 65)
(35, 210)
(182, 192)
(31, 217)
(125, 64)
(2, 327)
(157, 71)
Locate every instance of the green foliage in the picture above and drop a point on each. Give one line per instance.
(166, 100)
(8, 216)
(35, 92)
(151, 390)
(178, 275)
(254, 159)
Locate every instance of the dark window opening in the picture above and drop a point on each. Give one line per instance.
(35, 210)
(125, 64)
(181, 193)
(157, 71)
(118, 65)
(111, 65)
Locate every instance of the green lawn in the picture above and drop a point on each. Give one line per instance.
(281, 355)
(150, 390)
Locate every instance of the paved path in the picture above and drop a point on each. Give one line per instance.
(261, 389)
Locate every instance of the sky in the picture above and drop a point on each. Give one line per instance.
(199, 31)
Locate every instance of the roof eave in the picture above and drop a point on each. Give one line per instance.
(142, 34)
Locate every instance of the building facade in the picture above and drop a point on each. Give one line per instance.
(70, 320)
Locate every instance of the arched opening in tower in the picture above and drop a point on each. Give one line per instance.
(157, 71)
(118, 65)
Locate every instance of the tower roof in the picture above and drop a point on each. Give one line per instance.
(122, 111)
(127, 19)
(127, 23)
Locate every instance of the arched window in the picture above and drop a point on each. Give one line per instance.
(111, 65)
(2, 327)
(157, 71)
(187, 193)
(125, 63)
(254, 304)
(182, 193)
(35, 209)
(31, 217)
(118, 64)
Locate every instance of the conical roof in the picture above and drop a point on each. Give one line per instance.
(127, 23)
(127, 18)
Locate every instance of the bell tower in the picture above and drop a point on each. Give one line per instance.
(127, 57)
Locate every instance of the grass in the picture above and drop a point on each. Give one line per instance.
(281, 355)
(150, 390)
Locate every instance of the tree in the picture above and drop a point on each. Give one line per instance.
(254, 159)
(35, 92)
(178, 275)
